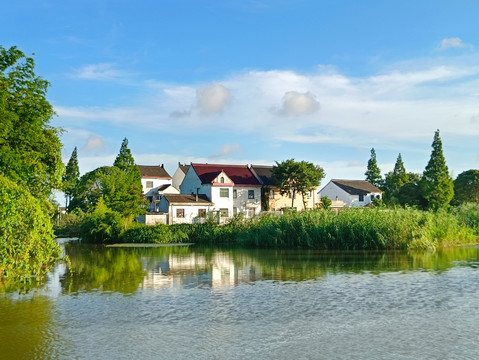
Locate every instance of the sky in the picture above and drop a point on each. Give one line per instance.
(257, 81)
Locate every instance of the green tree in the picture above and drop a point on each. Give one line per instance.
(30, 168)
(124, 160)
(394, 180)
(373, 174)
(466, 187)
(294, 177)
(30, 149)
(71, 177)
(326, 203)
(436, 184)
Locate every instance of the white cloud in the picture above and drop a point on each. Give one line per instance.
(101, 71)
(406, 103)
(295, 103)
(453, 43)
(212, 98)
(94, 143)
(226, 150)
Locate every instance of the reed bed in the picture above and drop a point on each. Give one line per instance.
(318, 229)
(351, 229)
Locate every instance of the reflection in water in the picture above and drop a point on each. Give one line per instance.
(203, 303)
(127, 269)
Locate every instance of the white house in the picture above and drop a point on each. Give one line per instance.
(179, 175)
(184, 208)
(354, 193)
(232, 188)
(155, 182)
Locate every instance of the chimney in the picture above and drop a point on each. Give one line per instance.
(196, 197)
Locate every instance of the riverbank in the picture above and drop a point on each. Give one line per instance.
(351, 229)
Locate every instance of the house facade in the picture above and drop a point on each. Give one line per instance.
(233, 189)
(272, 198)
(184, 208)
(155, 182)
(354, 193)
(179, 175)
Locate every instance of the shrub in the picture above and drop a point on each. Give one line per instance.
(27, 245)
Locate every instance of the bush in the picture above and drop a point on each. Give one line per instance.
(27, 245)
(158, 234)
(102, 226)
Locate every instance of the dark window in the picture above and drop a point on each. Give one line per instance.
(180, 213)
(361, 198)
(149, 184)
(224, 212)
(235, 194)
(202, 213)
(222, 180)
(250, 194)
(372, 197)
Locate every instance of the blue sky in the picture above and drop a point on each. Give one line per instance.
(258, 81)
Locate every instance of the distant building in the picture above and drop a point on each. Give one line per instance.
(155, 182)
(184, 208)
(354, 193)
(179, 175)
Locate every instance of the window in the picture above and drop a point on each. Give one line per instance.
(271, 194)
(249, 212)
(222, 180)
(250, 194)
(149, 184)
(180, 213)
(378, 196)
(235, 211)
(361, 198)
(225, 193)
(235, 194)
(372, 197)
(202, 213)
(224, 212)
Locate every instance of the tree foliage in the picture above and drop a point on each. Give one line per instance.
(26, 236)
(436, 184)
(394, 180)
(71, 177)
(30, 149)
(466, 187)
(30, 168)
(293, 177)
(373, 174)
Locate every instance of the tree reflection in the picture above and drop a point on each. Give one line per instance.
(102, 269)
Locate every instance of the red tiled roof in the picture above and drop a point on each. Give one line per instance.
(240, 174)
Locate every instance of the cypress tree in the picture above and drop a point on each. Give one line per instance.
(394, 180)
(436, 184)
(373, 174)
(71, 177)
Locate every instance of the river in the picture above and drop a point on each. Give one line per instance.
(205, 303)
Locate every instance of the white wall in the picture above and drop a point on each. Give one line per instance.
(191, 212)
(192, 182)
(156, 184)
(242, 203)
(178, 178)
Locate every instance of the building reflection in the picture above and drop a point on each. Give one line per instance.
(198, 270)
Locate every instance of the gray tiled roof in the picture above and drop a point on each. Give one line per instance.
(356, 187)
(153, 171)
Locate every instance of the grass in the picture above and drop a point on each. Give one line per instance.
(351, 229)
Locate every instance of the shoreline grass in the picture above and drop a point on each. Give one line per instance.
(352, 229)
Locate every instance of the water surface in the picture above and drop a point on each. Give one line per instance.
(203, 303)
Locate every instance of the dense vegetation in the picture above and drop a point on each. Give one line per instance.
(30, 168)
(319, 229)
